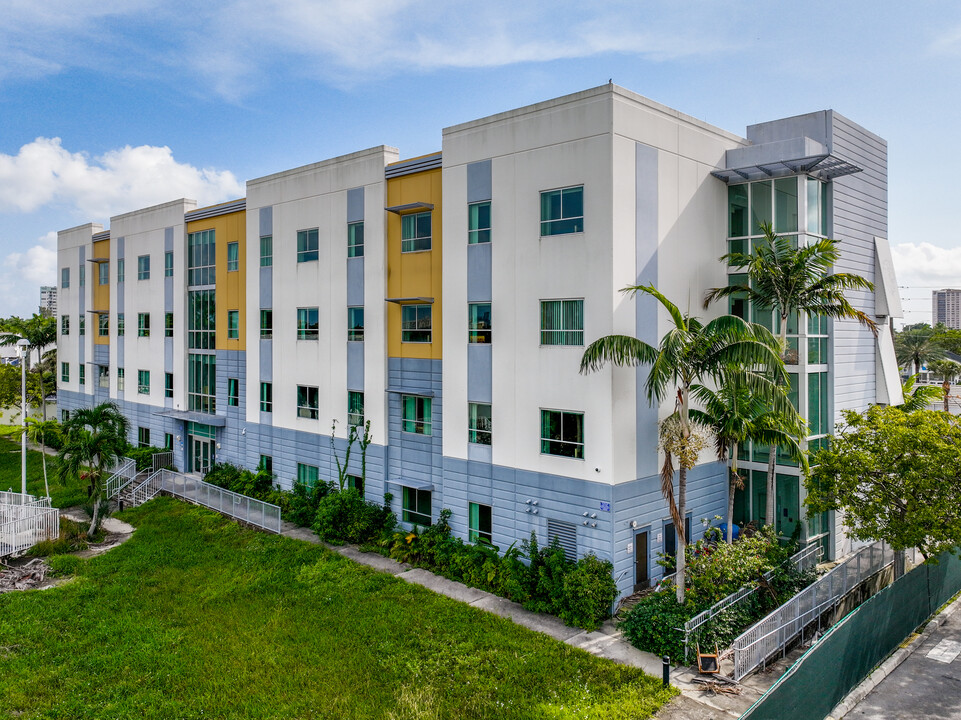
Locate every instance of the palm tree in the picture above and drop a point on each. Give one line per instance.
(736, 415)
(94, 438)
(38, 431)
(40, 331)
(791, 280)
(918, 398)
(917, 346)
(689, 353)
(949, 371)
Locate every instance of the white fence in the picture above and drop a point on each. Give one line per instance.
(772, 634)
(121, 475)
(24, 521)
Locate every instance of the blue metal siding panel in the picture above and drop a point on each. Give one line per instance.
(479, 181)
(479, 373)
(355, 366)
(355, 281)
(266, 221)
(266, 288)
(355, 204)
(479, 272)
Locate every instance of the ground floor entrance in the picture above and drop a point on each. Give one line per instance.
(201, 447)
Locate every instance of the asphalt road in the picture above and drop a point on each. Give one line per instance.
(926, 685)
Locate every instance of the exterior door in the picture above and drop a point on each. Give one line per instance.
(641, 579)
(201, 454)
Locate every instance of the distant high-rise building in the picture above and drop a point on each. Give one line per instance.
(48, 300)
(946, 308)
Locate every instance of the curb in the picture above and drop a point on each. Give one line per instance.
(890, 665)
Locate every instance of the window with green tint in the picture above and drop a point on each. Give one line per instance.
(785, 205)
(266, 250)
(415, 323)
(818, 403)
(201, 258)
(103, 376)
(356, 482)
(738, 245)
(479, 323)
(737, 211)
(479, 223)
(201, 320)
(233, 257)
(65, 277)
(143, 382)
(479, 429)
(143, 267)
(83, 325)
(266, 397)
(308, 402)
(307, 474)
(825, 208)
(787, 504)
(817, 351)
(202, 382)
(814, 206)
(121, 270)
(759, 497)
(168, 385)
(355, 239)
(233, 324)
(168, 441)
(64, 372)
(416, 506)
(744, 450)
(233, 392)
(64, 324)
(81, 374)
(266, 324)
(120, 379)
(562, 211)
(103, 325)
(760, 452)
(480, 523)
(562, 433)
(738, 304)
(791, 351)
(355, 408)
(760, 206)
(143, 437)
(308, 245)
(168, 325)
(308, 323)
(415, 232)
(817, 325)
(143, 324)
(266, 464)
(103, 273)
(416, 414)
(355, 324)
(83, 275)
(562, 322)
(168, 264)
(120, 324)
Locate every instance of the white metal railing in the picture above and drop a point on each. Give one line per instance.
(147, 489)
(773, 633)
(124, 472)
(18, 534)
(162, 460)
(803, 560)
(240, 507)
(21, 500)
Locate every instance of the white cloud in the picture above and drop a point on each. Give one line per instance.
(948, 42)
(921, 268)
(43, 172)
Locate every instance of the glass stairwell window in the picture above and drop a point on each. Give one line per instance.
(415, 232)
(562, 211)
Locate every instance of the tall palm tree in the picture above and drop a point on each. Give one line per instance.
(949, 371)
(39, 431)
(917, 346)
(736, 415)
(791, 280)
(93, 439)
(690, 353)
(40, 331)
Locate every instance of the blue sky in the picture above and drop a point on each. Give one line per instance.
(107, 106)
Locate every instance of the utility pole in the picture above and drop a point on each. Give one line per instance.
(23, 344)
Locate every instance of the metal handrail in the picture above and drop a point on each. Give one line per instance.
(122, 475)
(240, 507)
(19, 534)
(147, 489)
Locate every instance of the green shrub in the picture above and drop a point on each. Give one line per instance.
(345, 515)
(73, 537)
(589, 592)
(303, 500)
(656, 624)
(64, 565)
(143, 456)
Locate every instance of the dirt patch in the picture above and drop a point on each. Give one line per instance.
(24, 574)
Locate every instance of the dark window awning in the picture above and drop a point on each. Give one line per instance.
(415, 393)
(410, 300)
(197, 417)
(416, 484)
(825, 167)
(99, 312)
(409, 208)
(98, 260)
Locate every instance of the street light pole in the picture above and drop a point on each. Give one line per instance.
(22, 345)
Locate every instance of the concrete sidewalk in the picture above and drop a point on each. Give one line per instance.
(606, 642)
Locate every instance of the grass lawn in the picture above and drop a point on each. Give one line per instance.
(197, 617)
(60, 495)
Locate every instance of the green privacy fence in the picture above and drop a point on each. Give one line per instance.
(827, 672)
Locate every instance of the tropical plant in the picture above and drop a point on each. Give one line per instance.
(93, 439)
(790, 280)
(690, 353)
(949, 371)
(917, 398)
(917, 346)
(39, 431)
(39, 331)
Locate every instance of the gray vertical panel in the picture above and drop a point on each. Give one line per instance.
(168, 354)
(266, 288)
(479, 373)
(266, 363)
(479, 273)
(355, 204)
(82, 358)
(119, 286)
(168, 294)
(355, 366)
(355, 281)
(479, 181)
(645, 244)
(266, 221)
(168, 239)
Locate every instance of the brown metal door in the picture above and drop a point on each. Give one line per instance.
(641, 580)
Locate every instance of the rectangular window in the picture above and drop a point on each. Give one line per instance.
(479, 423)
(266, 397)
(64, 416)
(103, 273)
(83, 275)
(355, 324)
(562, 433)
(201, 260)
(168, 325)
(233, 324)
(307, 323)
(81, 373)
(479, 223)
(818, 403)
(307, 474)
(168, 441)
(64, 324)
(266, 324)
(266, 464)
(307, 245)
(202, 382)
(562, 322)
(416, 414)
(103, 325)
(233, 257)
(355, 239)
(760, 206)
(355, 408)
(168, 264)
(562, 211)
(143, 382)
(201, 320)
(266, 250)
(143, 324)
(103, 376)
(817, 339)
(785, 205)
(143, 267)
(415, 232)
(120, 324)
(737, 211)
(83, 325)
(480, 525)
(65, 277)
(233, 392)
(417, 506)
(143, 437)
(120, 270)
(415, 323)
(120, 379)
(308, 403)
(168, 385)
(479, 323)
(64, 372)
(356, 482)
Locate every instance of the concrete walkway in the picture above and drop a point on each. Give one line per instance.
(606, 642)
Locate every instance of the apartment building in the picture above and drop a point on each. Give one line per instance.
(447, 300)
(946, 308)
(48, 300)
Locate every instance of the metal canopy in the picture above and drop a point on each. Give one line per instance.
(409, 208)
(98, 260)
(410, 300)
(197, 417)
(416, 484)
(99, 312)
(825, 167)
(407, 391)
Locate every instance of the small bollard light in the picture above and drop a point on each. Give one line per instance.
(666, 671)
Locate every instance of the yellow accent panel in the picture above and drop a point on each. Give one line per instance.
(417, 274)
(101, 293)
(231, 293)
